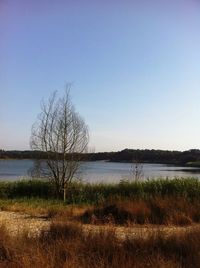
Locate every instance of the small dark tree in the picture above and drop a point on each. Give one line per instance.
(136, 171)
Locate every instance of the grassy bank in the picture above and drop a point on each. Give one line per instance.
(66, 245)
(174, 202)
(80, 193)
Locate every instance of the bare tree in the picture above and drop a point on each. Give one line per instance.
(62, 133)
(136, 171)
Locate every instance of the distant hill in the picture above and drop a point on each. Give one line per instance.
(150, 156)
(190, 157)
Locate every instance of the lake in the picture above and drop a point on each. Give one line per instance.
(100, 171)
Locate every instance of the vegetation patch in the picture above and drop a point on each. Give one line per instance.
(66, 245)
(159, 201)
(80, 193)
(167, 211)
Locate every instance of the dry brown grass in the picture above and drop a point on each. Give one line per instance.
(46, 208)
(165, 210)
(65, 245)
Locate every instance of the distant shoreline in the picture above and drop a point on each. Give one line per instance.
(190, 158)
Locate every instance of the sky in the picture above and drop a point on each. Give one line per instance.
(134, 68)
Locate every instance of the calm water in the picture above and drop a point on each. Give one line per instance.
(99, 171)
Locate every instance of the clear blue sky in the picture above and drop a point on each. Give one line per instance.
(134, 65)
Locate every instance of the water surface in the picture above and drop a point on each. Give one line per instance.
(100, 171)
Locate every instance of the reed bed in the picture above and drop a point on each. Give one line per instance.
(86, 193)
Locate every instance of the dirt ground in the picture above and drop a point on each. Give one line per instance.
(16, 223)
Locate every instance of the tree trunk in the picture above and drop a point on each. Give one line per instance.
(64, 194)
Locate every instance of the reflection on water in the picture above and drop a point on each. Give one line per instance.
(100, 171)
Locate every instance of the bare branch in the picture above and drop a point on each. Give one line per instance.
(62, 133)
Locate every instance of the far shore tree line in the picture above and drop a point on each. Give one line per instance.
(184, 158)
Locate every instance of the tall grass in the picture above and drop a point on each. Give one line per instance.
(159, 201)
(26, 188)
(66, 245)
(188, 188)
(160, 210)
